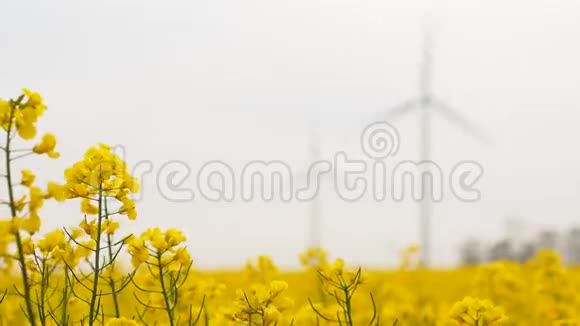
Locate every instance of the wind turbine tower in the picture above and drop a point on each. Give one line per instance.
(314, 231)
(427, 104)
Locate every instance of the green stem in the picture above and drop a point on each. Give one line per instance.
(111, 279)
(43, 288)
(64, 313)
(165, 294)
(348, 305)
(96, 273)
(21, 258)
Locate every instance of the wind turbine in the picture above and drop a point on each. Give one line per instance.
(426, 103)
(314, 231)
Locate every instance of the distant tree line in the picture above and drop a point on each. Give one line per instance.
(473, 252)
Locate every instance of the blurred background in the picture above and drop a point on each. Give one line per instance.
(238, 81)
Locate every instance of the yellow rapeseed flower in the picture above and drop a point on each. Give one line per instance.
(47, 146)
(51, 241)
(27, 178)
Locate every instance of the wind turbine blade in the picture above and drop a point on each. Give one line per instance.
(398, 110)
(388, 115)
(455, 117)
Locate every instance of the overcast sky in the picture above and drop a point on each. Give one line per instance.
(242, 80)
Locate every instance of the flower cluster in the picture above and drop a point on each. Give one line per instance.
(476, 312)
(101, 174)
(262, 305)
(262, 271)
(154, 245)
(168, 267)
(314, 258)
(18, 119)
(22, 113)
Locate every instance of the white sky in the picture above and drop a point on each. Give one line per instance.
(241, 80)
